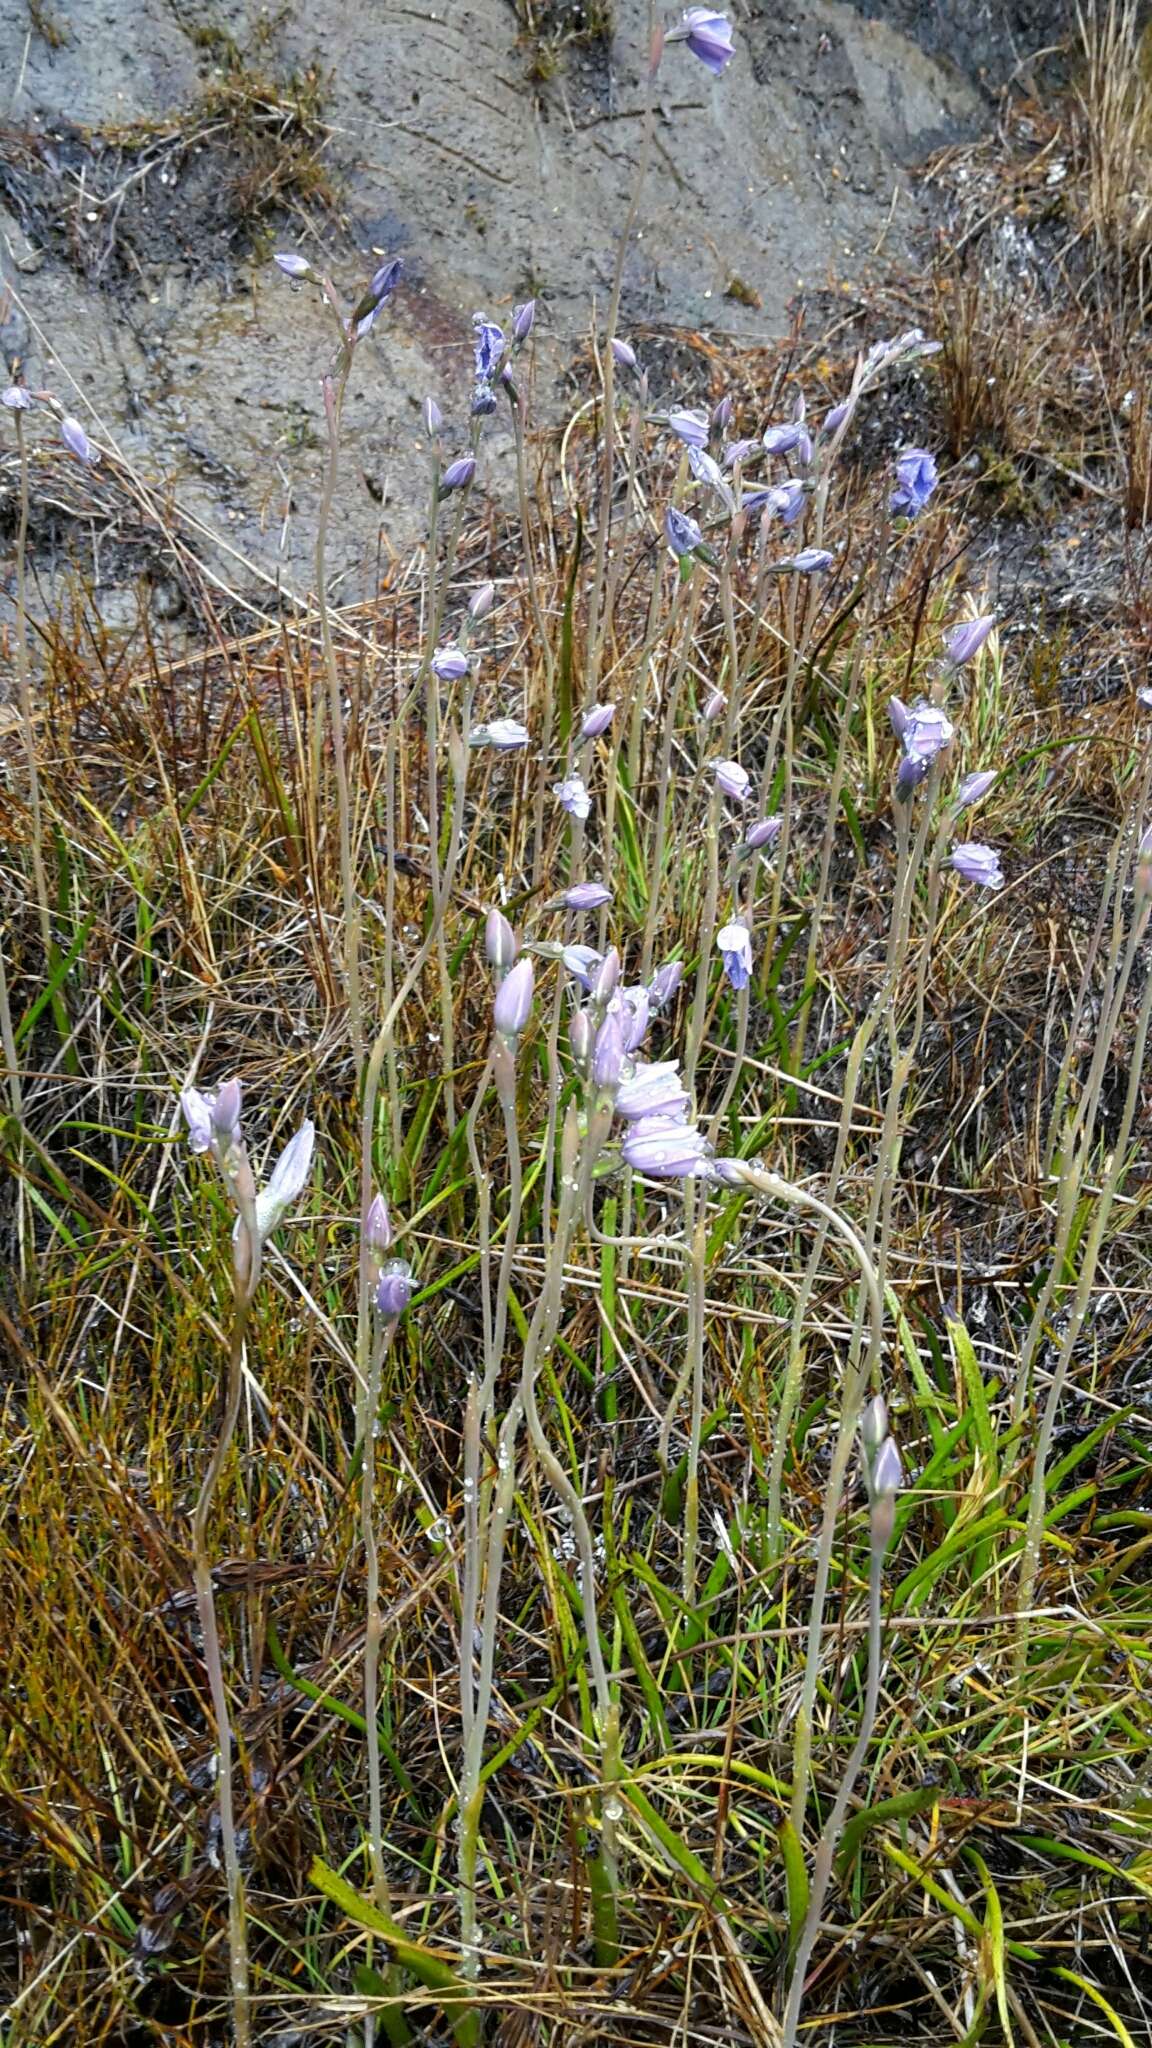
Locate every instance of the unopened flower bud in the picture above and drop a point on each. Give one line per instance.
(481, 601)
(394, 1289)
(606, 977)
(608, 1052)
(378, 1225)
(513, 1005)
(500, 948)
(580, 1036)
(874, 1423)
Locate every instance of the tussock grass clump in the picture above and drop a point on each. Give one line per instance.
(642, 1535)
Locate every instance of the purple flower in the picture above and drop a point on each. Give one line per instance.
(500, 947)
(597, 721)
(489, 347)
(572, 796)
(978, 863)
(523, 321)
(385, 281)
(707, 471)
(764, 832)
(784, 501)
(916, 478)
(897, 716)
(965, 641)
(382, 286)
(378, 1225)
(708, 36)
(292, 266)
(481, 602)
(784, 439)
(689, 425)
(16, 398)
(213, 1119)
(682, 533)
(458, 474)
(450, 663)
(289, 1179)
(73, 436)
(974, 787)
(608, 1052)
(665, 983)
(513, 1005)
(808, 561)
(505, 734)
(926, 732)
(734, 945)
(623, 353)
(838, 416)
(483, 401)
(732, 781)
(581, 963)
(586, 896)
(433, 421)
(394, 1289)
(722, 416)
(739, 451)
(665, 1149)
(713, 706)
(653, 1089)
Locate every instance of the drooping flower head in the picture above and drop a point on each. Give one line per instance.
(394, 1289)
(507, 735)
(974, 788)
(450, 663)
(15, 398)
(597, 721)
(586, 896)
(572, 796)
(734, 944)
(653, 1089)
(707, 471)
(916, 479)
(623, 353)
(213, 1118)
(963, 642)
(978, 863)
(689, 425)
(76, 440)
(732, 781)
(764, 832)
(924, 731)
(708, 36)
(665, 1149)
(293, 266)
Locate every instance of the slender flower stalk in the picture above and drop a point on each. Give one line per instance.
(214, 1126)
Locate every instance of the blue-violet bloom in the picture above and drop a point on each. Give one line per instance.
(734, 944)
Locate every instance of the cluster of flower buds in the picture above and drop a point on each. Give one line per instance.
(360, 322)
(213, 1122)
(392, 1282)
(648, 1096)
(883, 1474)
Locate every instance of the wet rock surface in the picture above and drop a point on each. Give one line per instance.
(151, 159)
